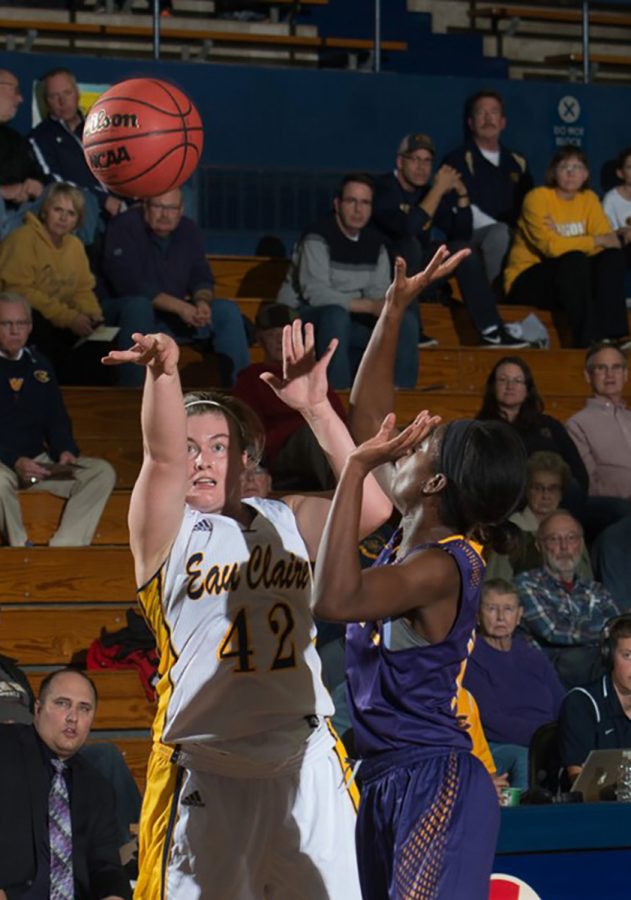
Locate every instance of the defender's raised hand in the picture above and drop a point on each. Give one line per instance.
(304, 383)
(403, 288)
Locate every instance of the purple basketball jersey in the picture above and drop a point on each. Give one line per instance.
(408, 697)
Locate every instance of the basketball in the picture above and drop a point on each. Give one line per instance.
(142, 138)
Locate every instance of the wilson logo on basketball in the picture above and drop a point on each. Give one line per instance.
(100, 120)
(143, 138)
(106, 158)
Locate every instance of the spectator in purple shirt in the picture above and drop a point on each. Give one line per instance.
(157, 278)
(514, 684)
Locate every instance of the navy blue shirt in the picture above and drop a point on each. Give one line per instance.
(59, 152)
(592, 719)
(32, 410)
(496, 190)
(397, 214)
(138, 262)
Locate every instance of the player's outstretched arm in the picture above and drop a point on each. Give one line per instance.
(372, 394)
(304, 388)
(342, 591)
(157, 501)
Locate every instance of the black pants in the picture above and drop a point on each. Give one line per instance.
(589, 289)
(476, 291)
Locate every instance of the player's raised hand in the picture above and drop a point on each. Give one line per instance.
(403, 288)
(158, 352)
(389, 445)
(304, 383)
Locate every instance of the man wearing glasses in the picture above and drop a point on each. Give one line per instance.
(409, 204)
(338, 279)
(156, 278)
(602, 429)
(37, 449)
(564, 613)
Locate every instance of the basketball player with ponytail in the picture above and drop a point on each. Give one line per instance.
(429, 815)
(246, 792)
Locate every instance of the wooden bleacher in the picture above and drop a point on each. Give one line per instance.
(533, 37)
(606, 60)
(237, 277)
(173, 34)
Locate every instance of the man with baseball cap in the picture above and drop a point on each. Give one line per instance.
(409, 203)
(294, 458)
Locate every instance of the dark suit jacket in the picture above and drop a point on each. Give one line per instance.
(24, 787)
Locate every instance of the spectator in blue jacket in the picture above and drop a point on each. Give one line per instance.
(409, 204)
(36, 439)
(497, 179)
(156, 278)
(56, 142)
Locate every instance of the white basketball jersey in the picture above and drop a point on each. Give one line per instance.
(231, 612)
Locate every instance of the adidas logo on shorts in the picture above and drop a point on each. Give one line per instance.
(193, 799)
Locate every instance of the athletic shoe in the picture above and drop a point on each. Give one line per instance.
(425, 341)
(501, 339)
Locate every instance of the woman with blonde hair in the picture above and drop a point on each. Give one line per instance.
(47, 264)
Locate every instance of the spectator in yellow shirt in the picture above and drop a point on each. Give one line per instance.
(566, 255)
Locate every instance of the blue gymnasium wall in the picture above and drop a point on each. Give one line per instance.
(275, 118)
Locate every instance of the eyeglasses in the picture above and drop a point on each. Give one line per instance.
(505, 379)
(557, 540)
(162, 207)
(360, 204)
(15, 323)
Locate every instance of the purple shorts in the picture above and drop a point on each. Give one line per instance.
(427, 826)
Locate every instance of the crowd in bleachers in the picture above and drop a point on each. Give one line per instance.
(75, 258)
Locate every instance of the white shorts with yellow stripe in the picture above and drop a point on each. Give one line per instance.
(286, 836)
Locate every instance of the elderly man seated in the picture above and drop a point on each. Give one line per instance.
(156, 278)
(548, 476)
(564, 613)
(515, 685)
(36, 442)
(602, 429)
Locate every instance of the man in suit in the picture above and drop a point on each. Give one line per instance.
(29, 755)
